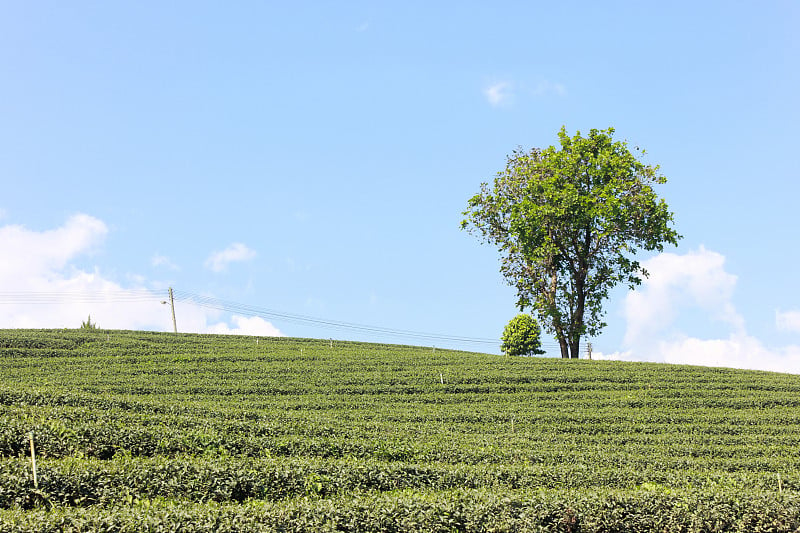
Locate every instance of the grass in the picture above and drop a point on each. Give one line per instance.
(225, 433)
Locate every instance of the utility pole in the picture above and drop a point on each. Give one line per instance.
(172, 306)
(589, 350)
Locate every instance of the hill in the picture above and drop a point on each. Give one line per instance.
(138, 431)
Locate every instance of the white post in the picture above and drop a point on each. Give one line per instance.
(33, 463)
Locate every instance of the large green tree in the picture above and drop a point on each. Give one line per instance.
(568, 222)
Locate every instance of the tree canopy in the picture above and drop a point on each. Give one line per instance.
(568, 222)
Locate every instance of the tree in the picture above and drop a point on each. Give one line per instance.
(522, 336)
(88, 324)
(567, 222)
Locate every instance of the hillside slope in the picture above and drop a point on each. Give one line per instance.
(138, 431)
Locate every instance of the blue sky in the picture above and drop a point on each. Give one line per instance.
(314, 159)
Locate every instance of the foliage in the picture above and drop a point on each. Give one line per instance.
(466, 510)
(521, 336)
(144, 431)
(88, 324)
(567, 222)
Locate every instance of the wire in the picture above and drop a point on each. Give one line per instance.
(140, 295)
(50, 297)
(234, 307)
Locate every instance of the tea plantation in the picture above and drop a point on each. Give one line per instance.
(141, 431)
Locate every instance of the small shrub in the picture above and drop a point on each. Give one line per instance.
(522, 336)
(88, 324)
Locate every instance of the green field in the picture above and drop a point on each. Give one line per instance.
(139, 431)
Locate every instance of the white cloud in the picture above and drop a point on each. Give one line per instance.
(43, 288)
(292, 265)
(46, 251)
(236, 252)
(685, 283)
(546, 88)
(40, 263)
(675, 281)
(499, 93)
(246, 326)
(159, 260)
(502, 93)
(736, 351)
(787, 320)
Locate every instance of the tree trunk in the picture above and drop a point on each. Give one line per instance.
(576, 327)
(562, 342)
(569, 347)
(574, 346)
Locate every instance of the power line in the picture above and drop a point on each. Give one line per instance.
(235, 307)
(244, 309)
(143, 295)
(51, 297)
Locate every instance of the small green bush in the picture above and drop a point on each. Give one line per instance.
(522, 336)
(88, 324)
